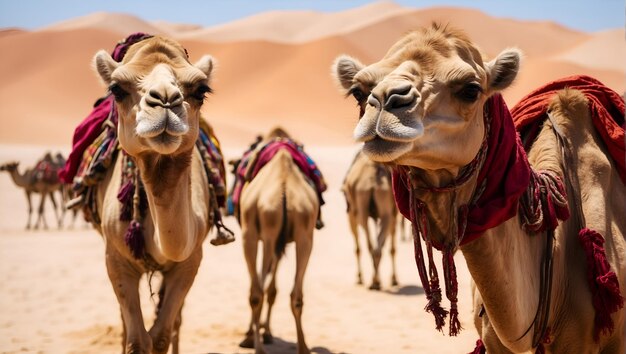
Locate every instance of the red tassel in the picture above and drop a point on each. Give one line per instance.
(125, 196)
(455, 324)
(434, 307)
(480, 348)
(603, 282)
(134, 239)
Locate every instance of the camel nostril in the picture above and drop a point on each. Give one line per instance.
(373, 101)
(157, 98)
(400, 96)
(164, 99)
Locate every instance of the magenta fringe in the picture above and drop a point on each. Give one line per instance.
(125, 197)
(134, 239)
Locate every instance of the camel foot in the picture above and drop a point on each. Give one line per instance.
(394, 282)
(248, 342)
(268, 338)
(375, 286)
(359, 282)
(222, 239)
(319, 224)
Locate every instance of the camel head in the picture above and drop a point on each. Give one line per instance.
(277, 132)
(422, 104)
(9, 166)
(158, 93)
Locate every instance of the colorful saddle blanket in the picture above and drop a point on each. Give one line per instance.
(254, 160)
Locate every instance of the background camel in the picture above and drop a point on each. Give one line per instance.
(158, 95)
(33, 181)
(278, 206)
(430, 107)
(367, 188)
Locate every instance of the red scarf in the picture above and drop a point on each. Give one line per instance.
(505, 175)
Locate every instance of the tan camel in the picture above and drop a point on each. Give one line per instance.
(367, 188)
(158, 97)
(278, 206)
(422, 107)
(34, 184)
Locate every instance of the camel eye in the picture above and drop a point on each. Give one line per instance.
(358, 94)
(469, 93)
(200, 92)
(117, 91)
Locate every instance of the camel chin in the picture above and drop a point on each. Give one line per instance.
(381, 150)
(164, 143)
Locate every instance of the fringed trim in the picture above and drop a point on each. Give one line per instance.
(603, 282)
(480, 348)
(431, 286)
(544, 202)
(132, 206)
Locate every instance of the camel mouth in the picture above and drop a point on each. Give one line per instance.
(169, 122)
(381, 150)
(165, 143)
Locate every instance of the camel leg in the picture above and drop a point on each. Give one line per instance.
(177, 282)
(250, 248)
(30, 210)
(355, 233)
(125, 282)
(304, 245)
(176, 333)
(271, 298)
(41, 218)
(56, 210)
(383, 231)
(362, 219)
(392, 251)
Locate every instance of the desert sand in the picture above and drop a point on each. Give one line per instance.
(272, 69)
(57, 297)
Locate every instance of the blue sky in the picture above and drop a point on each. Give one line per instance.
(584, 15)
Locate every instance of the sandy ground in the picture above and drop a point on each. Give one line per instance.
(56, 297)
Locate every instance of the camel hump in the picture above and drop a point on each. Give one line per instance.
(572, 107)
(278, 132)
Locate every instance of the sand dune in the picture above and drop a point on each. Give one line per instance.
(263, 82)
(604, 50)
(296, 26)
(175, 28)
(120, 23)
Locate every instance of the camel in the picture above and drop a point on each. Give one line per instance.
(367, 188)
(422, 110)
(158, 96)
(278, 206)
(32, 183)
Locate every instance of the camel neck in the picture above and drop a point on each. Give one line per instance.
(169, 192)
(505, 261)
(21, 180)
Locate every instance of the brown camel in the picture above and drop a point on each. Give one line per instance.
(367, 188)
(158, 95)
(278, 206)
(422, 110)
(33, 183)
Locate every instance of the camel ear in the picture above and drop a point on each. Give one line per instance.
(205, 64)
(503, 69)
(343, 70)
(105, 65)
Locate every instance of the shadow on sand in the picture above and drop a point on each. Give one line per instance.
(284, 347)
(406, 290)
